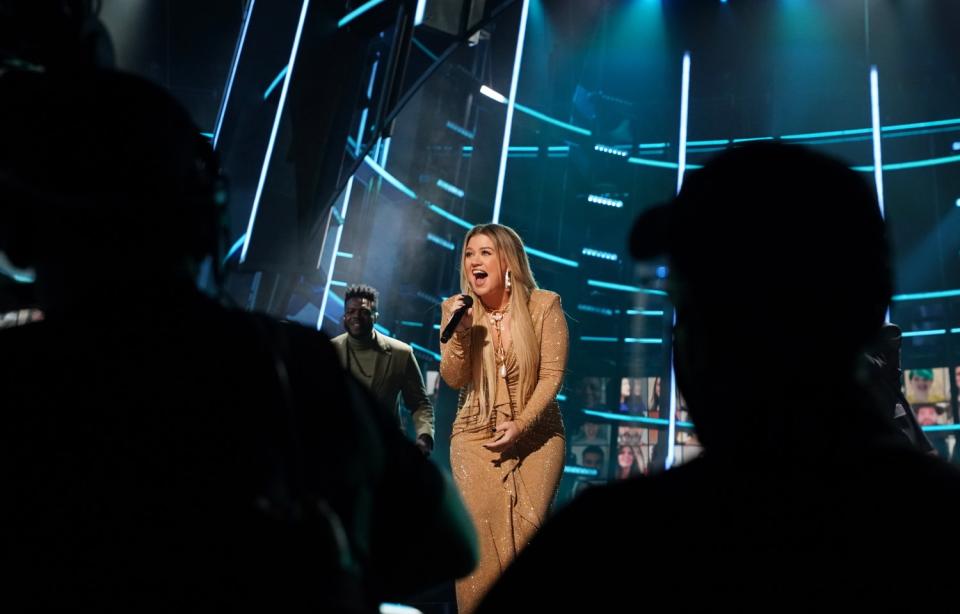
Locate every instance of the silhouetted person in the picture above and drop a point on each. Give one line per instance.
(778, 260)
(160, 452)
(883, 376)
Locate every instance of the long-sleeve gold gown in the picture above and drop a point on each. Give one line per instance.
(508, 495)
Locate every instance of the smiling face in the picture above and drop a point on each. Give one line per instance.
(484, 269)
(359, 316)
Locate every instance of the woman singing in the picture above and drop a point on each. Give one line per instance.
(507, 357)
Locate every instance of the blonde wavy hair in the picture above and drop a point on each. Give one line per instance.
(526, 346)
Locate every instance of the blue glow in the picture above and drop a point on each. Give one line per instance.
(933, 428)
(208, 135)
(449, 187)
(389, 178)
(610, 150)
(600, 339)
(753, 138)
(957, 202)
(456, 220)
(276, 81)
(576, 470)
(920, 296)
(511, 104)
(426, 351)
(875, 122)
(955, 330)
(658, 163)
(706, 143)
(624, 288)
(604, 311)
(493, 94)
(561, 397)
(662, 272)
(524, 148)
(233, 249)
(360, 10)
(273, 132)
(381, 329)
(602, 255)
(924, 333)
(821, 135)
(563, 148)
(460, 130)
(550, 120)
(899, 166)
(682, 157)
(603, 200)
(644, 312)
(551, 257)
(640, 419)
(411, 323)
(436, 327)
(426, 51)
(955, 146)
(440, 241)
(429, 297)
(339, 300)
(419, 13)
(652, 145)
(341, 284)
(344, 255)
(24, 278)
(644, 340)
(933, 124)
(233, 73)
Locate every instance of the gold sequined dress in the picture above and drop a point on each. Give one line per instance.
(508, 495)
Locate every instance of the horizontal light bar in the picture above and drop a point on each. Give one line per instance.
(603, 200)
(823, 135)
(450, 188)
(429, 297)
(643, 312)
(460, 130)
(753, 138)
(604, 311)
(411, 323)
(932, 124)
(643, 340)
(550, 120)
(563, 148)
(640, 419)
(344, 255)
(652, 145)
(385, 331)
(934, 428)
(920, 296)
(430, 353)
(600, 339)
(576, 470)
(707, 143)
(624, 288)
(899, 166)
(610, 150)
(924, 333)
(341, 284)
(602, 255)
(456, 220)
(440, 241)
(360, 10)
(490, 93)
(551, 257)
(561, 397)
(389, 178)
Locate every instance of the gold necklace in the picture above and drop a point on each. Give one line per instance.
(496, 318)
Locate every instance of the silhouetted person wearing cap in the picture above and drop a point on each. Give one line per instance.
(160, 452)
(778, 260)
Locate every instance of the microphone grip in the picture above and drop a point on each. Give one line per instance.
(455, 319)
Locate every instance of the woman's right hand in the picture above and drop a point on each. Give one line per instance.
(467, 320)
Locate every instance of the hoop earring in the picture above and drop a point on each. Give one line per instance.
(506, 281)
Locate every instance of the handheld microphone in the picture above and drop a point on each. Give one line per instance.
(455, 318)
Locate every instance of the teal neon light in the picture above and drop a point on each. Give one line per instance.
(576, 470)
(430, 353)
(600, 339)
(639, 419)
(921, 296)
(644, 340)
(360, 10)
(623, 288)
(389, 178)
(924, 333)
(276, 82)
(556, 122)
(456, 220)
(551, 257)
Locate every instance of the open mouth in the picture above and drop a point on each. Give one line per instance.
(479, 277)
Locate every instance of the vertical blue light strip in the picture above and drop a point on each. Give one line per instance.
(233, 73)
(273, 132)
(418, 15)
(875, 119)
(684, 109)
(681, 164)
(511, 104)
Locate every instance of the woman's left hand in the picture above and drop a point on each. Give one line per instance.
(505, 435)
